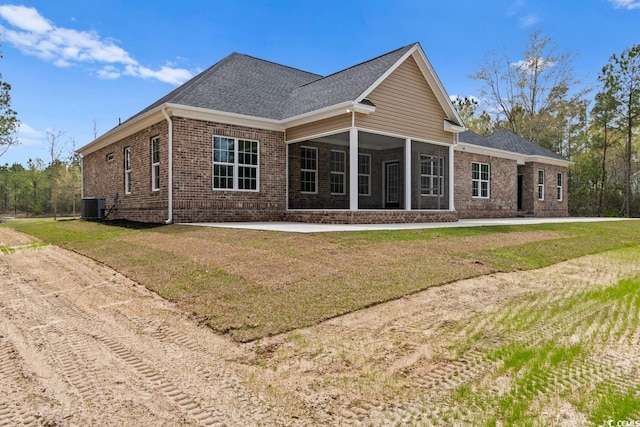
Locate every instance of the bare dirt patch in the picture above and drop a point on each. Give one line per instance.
(80, 344)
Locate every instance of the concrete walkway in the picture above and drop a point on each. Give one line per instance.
(300, 227)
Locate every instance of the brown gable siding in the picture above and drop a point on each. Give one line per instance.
(336, 123)
(406, 105)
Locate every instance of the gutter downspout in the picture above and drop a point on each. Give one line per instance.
(170, 155)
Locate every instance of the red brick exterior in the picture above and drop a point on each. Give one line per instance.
(503, 190)
(103, 178)
(195, 200)
(550, 206)
(503, 200)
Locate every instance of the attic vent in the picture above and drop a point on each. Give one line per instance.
(110, 157)
(367, 101)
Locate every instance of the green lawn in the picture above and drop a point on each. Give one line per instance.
(252, 284)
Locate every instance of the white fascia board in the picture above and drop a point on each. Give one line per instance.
(493, 152)
(327, 112)
(520, 158)
(123, 130)
(549, 161)
(198, 113)
(450, 127)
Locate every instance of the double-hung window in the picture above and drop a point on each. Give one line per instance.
(155, 163)
(560, 185)
(480, 180)
(540, 184)
(127, 170)
(364, 174)
(308, 169)
(431, 175)
(338, 161)
(235, 164)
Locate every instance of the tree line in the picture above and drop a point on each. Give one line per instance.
(39, 188)
(539, 98)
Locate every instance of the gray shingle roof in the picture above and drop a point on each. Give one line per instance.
(240, 84)
(508, 141)
(246, 85)
(345, 85)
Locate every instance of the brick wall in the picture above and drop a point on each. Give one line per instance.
(418, 201)
(369, 217)
(503, 189)
(323, 199)
(103, 178)
(195, 200)
(194, 197)
(550, 206)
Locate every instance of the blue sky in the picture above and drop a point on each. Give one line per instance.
(71, 63)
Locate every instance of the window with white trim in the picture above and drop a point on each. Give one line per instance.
(127, 170)
(155, 163)
(308, 169)
(540, 184)
(480, 178)
(431, 175)
(364, 174)
(235, 164)
(560, 185)
(337, 160)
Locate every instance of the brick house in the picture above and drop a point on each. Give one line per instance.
(251, 140)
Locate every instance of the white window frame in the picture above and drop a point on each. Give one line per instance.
(439, 190)
(367, 175)
(155, 165)
(111, 157)
(307, 170)
(560, 186)
(236, 165)
(541, 184)
(127, 170)
(479, 180)
(338, 173)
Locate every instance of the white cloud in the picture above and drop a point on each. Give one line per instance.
(529, 20)
(34, 35)
(531, 64)
(30, 137)
(165, 74)
(25, 18)
(109, 72)
(626, 4)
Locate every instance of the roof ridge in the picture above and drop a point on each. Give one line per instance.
(276, 63)
(359, 64)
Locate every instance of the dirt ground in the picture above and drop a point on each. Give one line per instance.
(80, 344)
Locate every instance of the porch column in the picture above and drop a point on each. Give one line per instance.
(451, 178)
(353, 169)
(407, 174)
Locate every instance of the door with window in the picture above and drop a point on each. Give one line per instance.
(392, 185)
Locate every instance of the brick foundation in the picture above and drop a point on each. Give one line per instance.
(369, 217)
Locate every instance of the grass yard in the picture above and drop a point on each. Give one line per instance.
(252, 284)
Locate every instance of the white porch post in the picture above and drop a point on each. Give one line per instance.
(451, 178)
(286, 167)
(407, 174)
(353, 169)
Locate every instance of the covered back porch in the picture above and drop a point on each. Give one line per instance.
(360, 176)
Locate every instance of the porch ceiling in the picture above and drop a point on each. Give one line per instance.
(369, 140)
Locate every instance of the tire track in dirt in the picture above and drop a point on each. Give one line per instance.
(103, 337)
(186, 403)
